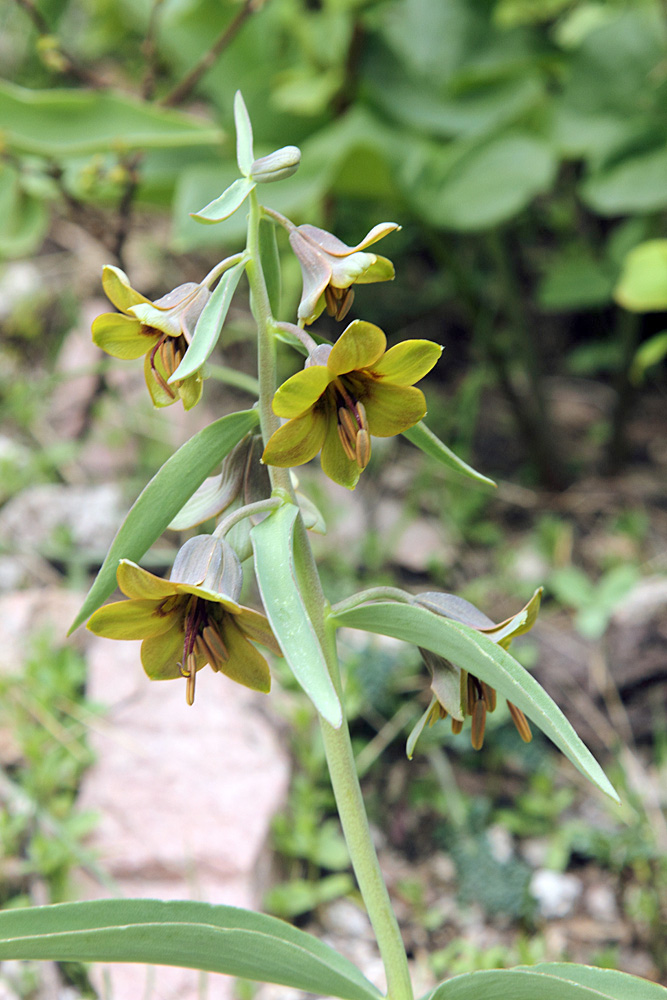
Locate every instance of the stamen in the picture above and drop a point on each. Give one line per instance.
(521, 722)
(344, 440)
(213, 647)
(457, 726)
(338, 301)
(478, 724)
(156, 375)
(363, 449)
(489, 695)
(191, 676)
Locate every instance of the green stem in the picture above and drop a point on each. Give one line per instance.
(342, 770)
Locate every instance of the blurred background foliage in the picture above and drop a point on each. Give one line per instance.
(522, 145)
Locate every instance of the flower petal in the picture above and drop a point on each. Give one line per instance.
(360, 345)
(156, 377)
(129, 620)
(245, 665)
(122, 336)
(346, 270)
(391, 409)
(332, 245)
(335, 463)
(407, 362)
(168, 321)
(377, 233)
(161, 654)
(139, 583)
(381, 269)
(190, 390)
(118, 289)
(297, 441)
(301, 391)
(256, 627)
(316, 270)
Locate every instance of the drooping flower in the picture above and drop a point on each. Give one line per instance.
(345, 394)
(457, 692)
(330, 268)
(192, 619)
(160, 330)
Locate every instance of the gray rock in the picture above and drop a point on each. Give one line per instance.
(555, 892)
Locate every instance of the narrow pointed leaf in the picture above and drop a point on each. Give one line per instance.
(426, 440)
(163, 497)
(221, 939)
(244, 149)
(210, 323)
(273, 542)
(473, 651)
(224, 206)
(270, 259)
(550, 981)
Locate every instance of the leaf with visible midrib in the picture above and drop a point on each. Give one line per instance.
(220, 939)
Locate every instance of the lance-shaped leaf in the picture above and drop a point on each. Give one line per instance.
(475, 652)
(227, 203)
(273, 542)
(549, 981)
(270, 260)
(222, 939)
(163, 497)
(244, 147)
(210, 323)
(423, 438)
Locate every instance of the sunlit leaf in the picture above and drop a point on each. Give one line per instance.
(227, 203)
(548, 981)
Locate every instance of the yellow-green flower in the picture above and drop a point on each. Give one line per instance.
(330, 267)
(457, 692)
(345, 394)
(188, 622)
(160, 330)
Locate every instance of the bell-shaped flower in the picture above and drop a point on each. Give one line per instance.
(330, 268)
(192, 619)
(160, 330)
(345, 394)
(458, 693)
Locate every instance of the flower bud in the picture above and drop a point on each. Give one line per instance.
(276, 166)
(210, 563)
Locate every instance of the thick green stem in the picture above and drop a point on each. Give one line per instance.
(352, 812)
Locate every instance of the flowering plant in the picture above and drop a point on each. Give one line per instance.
(347, 392)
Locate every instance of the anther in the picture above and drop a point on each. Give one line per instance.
(521, 722)
(478, 724)
(489, 695)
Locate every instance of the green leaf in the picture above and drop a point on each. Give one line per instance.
(650, 353)
(210, 323)
(475, 185)
(79, 122)
(222, 939)
(163, 497)
(244, 150)
(273, 542)
(24, 218)
(576, 280)
(471, 650)
(228, 202)
(270, 260)
(642, 286)
(426, 440)
(635, 184)
(298, 896)
(550, 981)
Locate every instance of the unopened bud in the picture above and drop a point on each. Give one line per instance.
(276, 166)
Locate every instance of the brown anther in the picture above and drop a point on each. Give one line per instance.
(213, 647)
(338, 301)
(489, 695)
(190, 682)
(363, 449)
(478, 724)
(349, 423)
(521, 722)
(348, 448)
(457, 726)
(156, 375)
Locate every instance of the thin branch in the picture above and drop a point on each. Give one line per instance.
(188, 83)
(125, 204)
(149, 52)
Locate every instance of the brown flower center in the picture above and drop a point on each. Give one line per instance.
(352, 425)
(201, 638)
(169, 352)
(338, 301)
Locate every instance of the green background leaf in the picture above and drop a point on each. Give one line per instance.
(284, 605)
(221, 939)
(163, 497)
(74, 122)
(475, 652)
